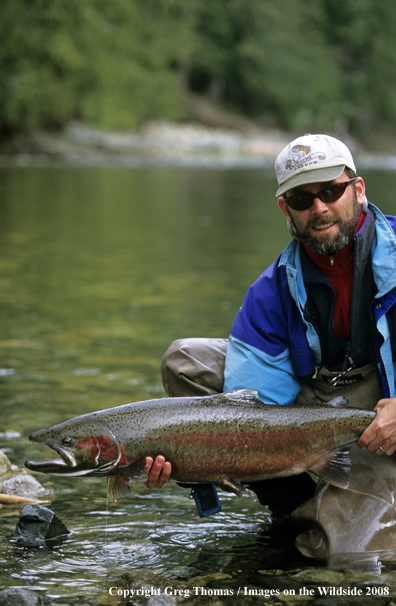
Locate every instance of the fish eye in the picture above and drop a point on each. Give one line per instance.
(66, 441)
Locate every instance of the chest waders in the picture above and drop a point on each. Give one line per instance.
(340, 521)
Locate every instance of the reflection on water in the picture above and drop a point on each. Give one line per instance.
(100, 269)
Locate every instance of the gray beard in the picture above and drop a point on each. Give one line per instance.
(329, 247)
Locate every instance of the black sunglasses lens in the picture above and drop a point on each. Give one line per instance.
(331, 193)
(300, 201)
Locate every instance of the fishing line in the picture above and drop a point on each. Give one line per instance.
(107, 510)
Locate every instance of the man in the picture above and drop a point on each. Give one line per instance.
(318, 323)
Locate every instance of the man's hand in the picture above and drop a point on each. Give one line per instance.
(159, 471)
(380, 435)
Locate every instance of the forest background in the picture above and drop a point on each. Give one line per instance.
(297, 65)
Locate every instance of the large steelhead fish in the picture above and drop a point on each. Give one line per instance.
(225, 439)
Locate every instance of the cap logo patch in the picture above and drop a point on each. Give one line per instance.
(300, 156)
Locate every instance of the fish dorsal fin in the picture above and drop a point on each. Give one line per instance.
(244, 395)
(117, 487)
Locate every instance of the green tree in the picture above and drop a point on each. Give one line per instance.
(106, 62)
(299, 64)
(270, 59)
(362, 35)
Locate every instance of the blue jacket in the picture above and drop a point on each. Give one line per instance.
(273, 348)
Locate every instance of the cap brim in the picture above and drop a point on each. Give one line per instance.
(316, 175)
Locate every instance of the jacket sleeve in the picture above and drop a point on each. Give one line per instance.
(268, 349)
(249, 368)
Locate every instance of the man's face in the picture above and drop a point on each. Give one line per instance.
(326, 228)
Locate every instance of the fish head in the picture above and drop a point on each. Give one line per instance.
(82, 449)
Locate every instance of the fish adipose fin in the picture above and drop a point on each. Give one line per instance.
(117, 487)
(236, 488)
(338, 402)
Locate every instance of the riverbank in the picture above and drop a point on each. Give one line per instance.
(154, 143)
(160, 143)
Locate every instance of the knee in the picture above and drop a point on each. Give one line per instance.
(194, 366)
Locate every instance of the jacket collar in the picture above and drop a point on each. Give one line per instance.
(383, 254)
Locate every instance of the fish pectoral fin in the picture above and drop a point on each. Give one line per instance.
(334, 469)
(117, 487)
(236, 488)
(135, 471)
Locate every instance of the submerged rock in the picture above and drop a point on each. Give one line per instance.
(5, 464)
(38, 524)
(15, 481)
(22, 597)
(21, 484)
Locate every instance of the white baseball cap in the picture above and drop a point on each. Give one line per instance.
(311, 159)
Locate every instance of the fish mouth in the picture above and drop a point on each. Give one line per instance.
(66, 465)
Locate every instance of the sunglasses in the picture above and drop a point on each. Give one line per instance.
(330, 193)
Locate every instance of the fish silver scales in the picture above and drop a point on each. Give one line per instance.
(226, 439)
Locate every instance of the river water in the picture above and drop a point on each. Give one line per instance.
(101, 268)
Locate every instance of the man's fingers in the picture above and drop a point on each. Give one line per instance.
(159, 471)
(380, 435)
(148, 465)
(165, 474)
(385, 448)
